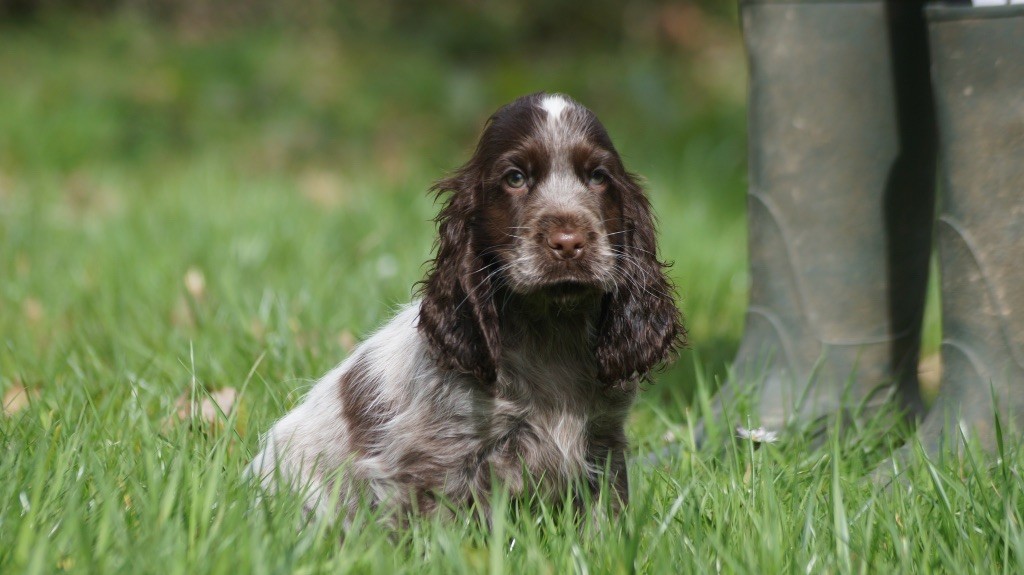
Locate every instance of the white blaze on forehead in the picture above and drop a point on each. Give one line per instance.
(562, 131)
(562, 128)
(554, 105)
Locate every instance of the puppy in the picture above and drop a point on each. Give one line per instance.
(544, 308)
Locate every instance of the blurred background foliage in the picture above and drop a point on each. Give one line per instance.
(296, 84)
(457, 27)
(284, 150)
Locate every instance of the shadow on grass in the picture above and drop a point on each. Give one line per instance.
(677, 384)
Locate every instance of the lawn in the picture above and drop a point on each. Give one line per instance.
(187, 217)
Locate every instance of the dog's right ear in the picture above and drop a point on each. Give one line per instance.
(458, 315)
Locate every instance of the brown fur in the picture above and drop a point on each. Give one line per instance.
(521, 362)
(640, 324)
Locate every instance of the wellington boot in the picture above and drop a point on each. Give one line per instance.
(840, 209)
(978, 79)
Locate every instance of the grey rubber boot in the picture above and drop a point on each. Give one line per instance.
(840, 209)
(978, 78)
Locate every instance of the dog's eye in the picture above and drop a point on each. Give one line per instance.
(597, 179)
(515, 179)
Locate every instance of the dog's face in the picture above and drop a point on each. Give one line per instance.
(550, 205)
(546, 209)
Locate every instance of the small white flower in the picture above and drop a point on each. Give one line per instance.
(759, 435)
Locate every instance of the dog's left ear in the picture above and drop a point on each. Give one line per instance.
(640, 324)
(457, 314)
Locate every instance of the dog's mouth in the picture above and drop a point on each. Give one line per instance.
(557, 281)
(570, 291)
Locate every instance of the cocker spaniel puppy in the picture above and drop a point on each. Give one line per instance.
(544, 308)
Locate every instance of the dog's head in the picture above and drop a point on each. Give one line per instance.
(545, 208)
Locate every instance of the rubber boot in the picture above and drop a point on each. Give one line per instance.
(978, 79)
(840, 209)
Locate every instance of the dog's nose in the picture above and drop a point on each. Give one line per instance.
(567, 244)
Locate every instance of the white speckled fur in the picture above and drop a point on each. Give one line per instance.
(527, 382)
(558, 398)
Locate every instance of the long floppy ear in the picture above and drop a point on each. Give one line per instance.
(458, 315)
(640, 324)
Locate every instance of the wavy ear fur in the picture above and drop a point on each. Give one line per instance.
(640, 325)
(458, 314)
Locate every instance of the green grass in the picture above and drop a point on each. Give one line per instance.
(290, 171)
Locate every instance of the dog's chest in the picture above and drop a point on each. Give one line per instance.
(545, 423)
